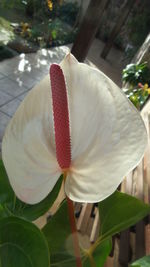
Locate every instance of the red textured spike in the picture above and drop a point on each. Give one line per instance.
(61, 116)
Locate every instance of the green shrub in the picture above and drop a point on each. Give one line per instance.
(68, 12)
(136, 73)
(137, 77)
(60, 33)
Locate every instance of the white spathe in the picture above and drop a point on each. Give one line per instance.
(108, 138)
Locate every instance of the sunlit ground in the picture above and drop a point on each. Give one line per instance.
(19, 74)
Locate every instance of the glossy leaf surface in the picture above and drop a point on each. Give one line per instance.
(100, 254)
(120, 211)
(22, 244)
(143, 262)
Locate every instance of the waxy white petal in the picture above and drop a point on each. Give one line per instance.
(108, 137)
(28, 147)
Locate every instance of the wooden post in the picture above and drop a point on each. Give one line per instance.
(88, 29)
(125, 248)
(140, 226)
(123, 16)
(124, 245)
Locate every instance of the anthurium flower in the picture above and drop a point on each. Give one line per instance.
(78, 122)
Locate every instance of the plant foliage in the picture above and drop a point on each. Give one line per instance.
(143, 262)
(137, 79)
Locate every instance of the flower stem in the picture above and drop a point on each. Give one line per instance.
(93, 264)
(74, 230)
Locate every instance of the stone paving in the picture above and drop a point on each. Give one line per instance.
(19, 74)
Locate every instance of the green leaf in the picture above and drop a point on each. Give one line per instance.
(6, 192)
(58, 234)
(143, 262)
(100, 254)
(22, 244)
(58, 228)
(54, 34)
(59, 238)
(120, 211)
(135, 73)
(63, 258)
(11, 205)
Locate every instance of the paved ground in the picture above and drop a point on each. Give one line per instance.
(18, 75)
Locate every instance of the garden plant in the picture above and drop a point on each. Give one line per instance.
(76, 128)
(136, 78)
(44, 23)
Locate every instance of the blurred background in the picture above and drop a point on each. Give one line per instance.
(26, 25)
